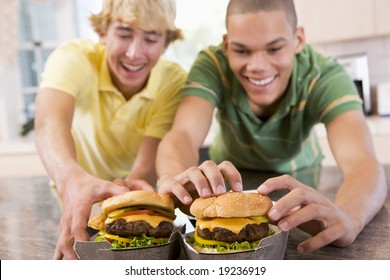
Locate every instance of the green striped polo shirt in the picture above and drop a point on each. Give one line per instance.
(319, 90)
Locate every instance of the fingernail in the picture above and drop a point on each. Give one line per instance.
(239, 187)
(300, 249)
(187, 199)
(283, 226)
(205, 192)
(220, 189)
(273, 214)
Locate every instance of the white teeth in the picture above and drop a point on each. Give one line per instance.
(132, 68)
(261, 82)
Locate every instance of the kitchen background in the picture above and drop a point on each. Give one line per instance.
(31, 29)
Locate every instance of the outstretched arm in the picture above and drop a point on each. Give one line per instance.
(359, 198)
(178, 155)
(77, 189)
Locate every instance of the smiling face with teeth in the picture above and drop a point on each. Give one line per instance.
(261, 47)
(131, 54)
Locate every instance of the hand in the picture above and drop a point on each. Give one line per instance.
(206, 179)
(134, 184)
(311, 211)
(79, 193)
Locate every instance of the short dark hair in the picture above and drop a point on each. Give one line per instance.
(252, 6)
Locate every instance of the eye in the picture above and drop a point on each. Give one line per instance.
(274, 49)
(241, 51)
(124, 35)
(151, 40)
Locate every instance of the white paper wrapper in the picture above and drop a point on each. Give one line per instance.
(92, 250)
(270, 248)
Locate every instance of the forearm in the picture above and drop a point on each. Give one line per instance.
(363, 192)
(57, 151)
(175, 154)
(364, 189)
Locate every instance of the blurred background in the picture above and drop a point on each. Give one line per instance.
(355, 31)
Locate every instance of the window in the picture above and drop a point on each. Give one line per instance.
(43, 24)
(37, 37)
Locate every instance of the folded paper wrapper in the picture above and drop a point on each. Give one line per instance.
(270, 248)
(92, 250)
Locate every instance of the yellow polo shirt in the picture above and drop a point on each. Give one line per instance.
(107, 129)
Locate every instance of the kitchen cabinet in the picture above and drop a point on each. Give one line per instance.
(381, 17)
(334, 20)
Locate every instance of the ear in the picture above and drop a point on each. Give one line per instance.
(165, 48)
(102, 37)
(300, 39)
(225, 43)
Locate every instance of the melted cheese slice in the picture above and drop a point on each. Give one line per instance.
(153, 221)
(233, 224)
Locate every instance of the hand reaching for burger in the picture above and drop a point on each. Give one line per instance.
(311, 211)
(204, 180)
(78, 194)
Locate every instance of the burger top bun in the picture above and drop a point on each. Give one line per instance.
(136, 198)
(231, 205)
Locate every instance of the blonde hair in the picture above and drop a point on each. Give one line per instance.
(156, 15)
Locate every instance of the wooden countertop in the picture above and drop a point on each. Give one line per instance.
(30, 217)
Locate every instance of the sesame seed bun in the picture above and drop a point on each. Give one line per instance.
(231, 205)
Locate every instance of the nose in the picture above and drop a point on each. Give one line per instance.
(134, 49)
(257, 62)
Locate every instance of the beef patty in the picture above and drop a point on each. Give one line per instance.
(251, 232)
(122, 228)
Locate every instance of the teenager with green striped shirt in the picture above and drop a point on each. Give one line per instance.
(270, 89)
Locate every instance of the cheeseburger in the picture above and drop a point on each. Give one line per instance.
(135, 219)
(230, 222)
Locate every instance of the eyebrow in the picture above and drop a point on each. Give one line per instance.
(273, 42)
(129, 29)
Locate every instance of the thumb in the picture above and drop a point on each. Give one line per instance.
(114, 190)
(139, 185)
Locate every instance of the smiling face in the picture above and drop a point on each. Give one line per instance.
(261, 47)
(131, 54)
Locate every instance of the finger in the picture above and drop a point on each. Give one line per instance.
(64, 247)
(107, 190)
(199, 180)
(231, 174)
(304, 215)
(177, 190)
(214, 177)
(119, 182)
(297, 198)
(140, 185)
(291, 201)
(69, 253)
(322, 239)
(58, 253)
(283, 182)
(80, 218)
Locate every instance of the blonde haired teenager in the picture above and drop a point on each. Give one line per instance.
(103, 108)
(270, 89)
